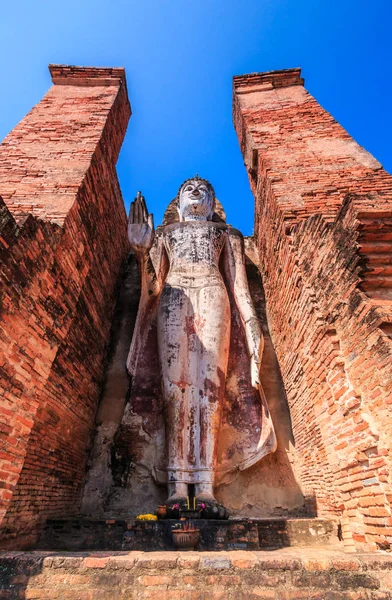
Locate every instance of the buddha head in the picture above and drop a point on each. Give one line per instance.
(196, 200)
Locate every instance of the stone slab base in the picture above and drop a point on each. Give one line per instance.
(286, 574)
(241, 534)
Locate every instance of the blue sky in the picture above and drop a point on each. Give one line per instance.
(180, 56)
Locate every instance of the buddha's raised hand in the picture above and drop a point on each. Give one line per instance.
(140, 225)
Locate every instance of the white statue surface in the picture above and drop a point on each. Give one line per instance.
(189, 273)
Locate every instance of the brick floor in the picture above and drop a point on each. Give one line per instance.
(327, 574)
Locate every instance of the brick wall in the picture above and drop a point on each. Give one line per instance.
(324, 232)
(235, 575)
(62, 244)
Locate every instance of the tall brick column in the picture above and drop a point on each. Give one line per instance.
(62, 244)
(324, 232)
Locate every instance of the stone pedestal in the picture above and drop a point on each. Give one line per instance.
(234, 534)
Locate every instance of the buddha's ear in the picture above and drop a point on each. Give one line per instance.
(179, 212)
(210, 216)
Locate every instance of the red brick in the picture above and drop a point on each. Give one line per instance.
(316, 564)
(95, 562)
(256, 592)
(345, 564)
(243, 560)
(151, 580)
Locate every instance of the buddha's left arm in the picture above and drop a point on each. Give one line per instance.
(234, 268)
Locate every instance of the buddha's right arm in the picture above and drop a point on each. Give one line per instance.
(141, 235)
(153, 265)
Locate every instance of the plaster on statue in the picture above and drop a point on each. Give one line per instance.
(195, 262)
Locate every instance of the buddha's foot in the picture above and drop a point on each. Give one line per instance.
(175, 503)
(210, 507)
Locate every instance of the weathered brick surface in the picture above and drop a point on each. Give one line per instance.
(324, 232)
(190, 575)
(62, 244)
(47, 156)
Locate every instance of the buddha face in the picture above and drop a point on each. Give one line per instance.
(196, 201)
